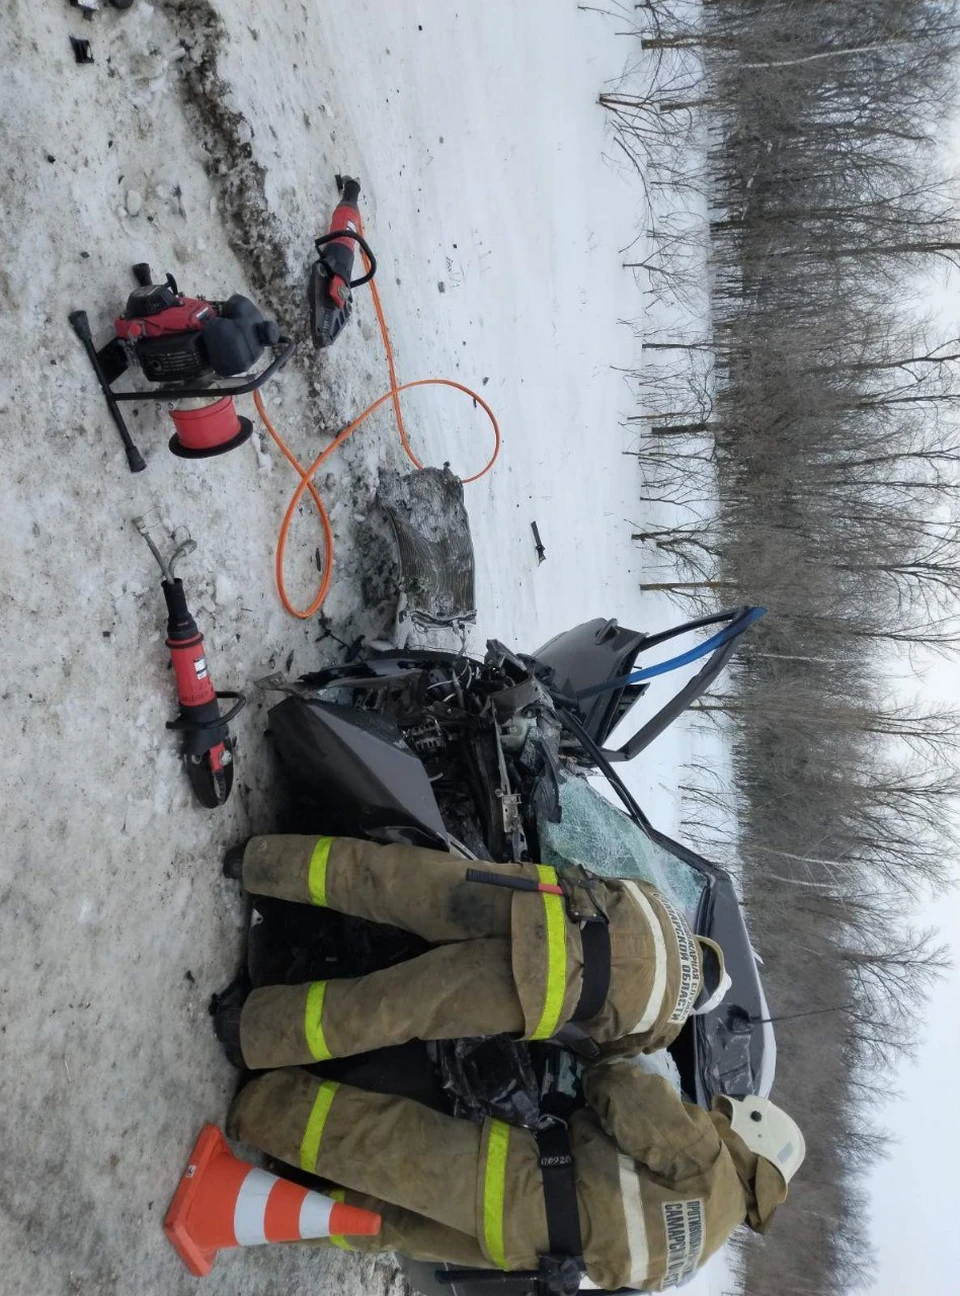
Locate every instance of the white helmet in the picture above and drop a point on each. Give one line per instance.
(768, 1131)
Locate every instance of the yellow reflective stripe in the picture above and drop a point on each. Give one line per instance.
(494, 1183)
(310, 1144)
(338, 1239)
(313, 1023)
(317, 876)
(555, 913)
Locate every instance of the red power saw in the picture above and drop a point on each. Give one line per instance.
(207, 746)
(331, 287)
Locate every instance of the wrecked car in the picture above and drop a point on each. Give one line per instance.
(501, 759)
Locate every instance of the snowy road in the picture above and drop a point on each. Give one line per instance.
(208, 147)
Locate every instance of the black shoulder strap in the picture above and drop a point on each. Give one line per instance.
(595, 938)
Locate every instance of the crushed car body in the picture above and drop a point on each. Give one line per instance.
(500, 759)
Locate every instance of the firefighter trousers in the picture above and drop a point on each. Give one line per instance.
(442, 1190)
(463, 987)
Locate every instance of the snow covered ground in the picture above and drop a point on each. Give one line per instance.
(204, 138)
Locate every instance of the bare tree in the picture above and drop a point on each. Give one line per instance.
(803, 454)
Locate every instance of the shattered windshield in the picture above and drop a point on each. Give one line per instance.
(594, 833)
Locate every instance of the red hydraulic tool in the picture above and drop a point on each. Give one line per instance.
(184, 344)
(331, 287)
(207, 745)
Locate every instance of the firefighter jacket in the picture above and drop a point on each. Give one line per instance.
(523, 950)
(660, 1184)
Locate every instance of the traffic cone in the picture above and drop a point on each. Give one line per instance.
(224, 1202)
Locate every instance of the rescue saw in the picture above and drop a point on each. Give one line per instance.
(207, 746)
(331, 286)
(183, 344)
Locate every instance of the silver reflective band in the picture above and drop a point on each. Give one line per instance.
(315, 1216)
(250, 1211)
(636, 1225)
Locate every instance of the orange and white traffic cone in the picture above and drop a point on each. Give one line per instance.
(224, 1202)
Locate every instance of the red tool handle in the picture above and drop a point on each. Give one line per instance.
(346, 215)
(194, 686)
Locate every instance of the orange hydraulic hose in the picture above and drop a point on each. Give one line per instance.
(307, 475)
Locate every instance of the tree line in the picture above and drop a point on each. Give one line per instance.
(801, 450)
